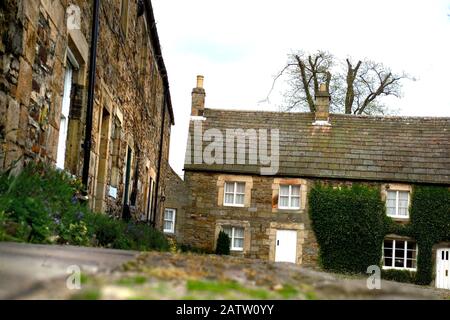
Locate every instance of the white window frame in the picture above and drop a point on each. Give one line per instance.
(235, 193)
(397, 199)
(290, 196)
(174, 213)
(64, 120)
(233, 237)
(404, 256)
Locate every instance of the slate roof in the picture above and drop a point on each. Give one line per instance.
(394, 149)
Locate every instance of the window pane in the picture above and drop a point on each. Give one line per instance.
(167, 225)
(388, 262)
(390, 207)
(240, 187)
(227, 230)
(410, 254)
(399, 252)
(295, 202)
(239, 199)
(229, 187)
(238, 232)
(284, 201)
(284, 190)
(388, 252)
(403, 195)
(239, 243)
(392, 195)
(296, 190)
(399, 262)
(403, 212)
(388, 244)
(403, 203)
(228, 198)
(391, 202)
(168, 215)
(409, 263)
(411, 245)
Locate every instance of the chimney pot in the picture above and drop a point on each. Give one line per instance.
(198, 98)
(200, 81)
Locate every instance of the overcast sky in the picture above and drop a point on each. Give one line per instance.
(240, 45)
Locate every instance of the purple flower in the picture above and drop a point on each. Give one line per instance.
(80, 215)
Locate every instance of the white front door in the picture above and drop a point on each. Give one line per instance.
(286, 246)
(443, 268)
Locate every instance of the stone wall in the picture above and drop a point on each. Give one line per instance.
(129, 97)
(178, 198)
(260, 216)
(205, 214)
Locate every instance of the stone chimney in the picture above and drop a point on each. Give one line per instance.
(322, 106)
(198, 98)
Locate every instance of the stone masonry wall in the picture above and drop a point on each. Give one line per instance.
(203, 214)
(129, 97)
(177, 197)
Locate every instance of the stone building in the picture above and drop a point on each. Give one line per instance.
(103, 117)
(249, 173)
(177, 199)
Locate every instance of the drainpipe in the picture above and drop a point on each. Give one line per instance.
(90, 100)
(158, 174)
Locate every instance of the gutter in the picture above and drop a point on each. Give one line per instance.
(154, 39)
(167, 101)
(90, 100)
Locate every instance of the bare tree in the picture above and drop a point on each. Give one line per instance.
(355, 88)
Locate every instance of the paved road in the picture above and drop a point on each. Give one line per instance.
(23, 267)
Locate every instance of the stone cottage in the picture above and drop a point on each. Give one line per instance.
(249, 173)
(83, 85)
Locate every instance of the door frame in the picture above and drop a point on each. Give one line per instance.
(294, 226)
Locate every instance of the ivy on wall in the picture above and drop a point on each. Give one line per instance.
(429, 224)
(350, 224)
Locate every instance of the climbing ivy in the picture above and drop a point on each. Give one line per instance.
(350, 224)
(429, 224)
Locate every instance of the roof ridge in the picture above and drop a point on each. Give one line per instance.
(342, 115)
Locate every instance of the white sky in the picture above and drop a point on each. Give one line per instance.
(240, 45)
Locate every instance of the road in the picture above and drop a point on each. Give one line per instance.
(24, 267)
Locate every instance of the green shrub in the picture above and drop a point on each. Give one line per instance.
(223, 244)
(349, 225)
(36, 200)
(40, 205)
(3, 221)
(399, 275)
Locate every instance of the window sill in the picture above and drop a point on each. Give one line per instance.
(169, 232)
(397, 268)
(398, 217)
(236, 250)
(288, 209)
(234, 205)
